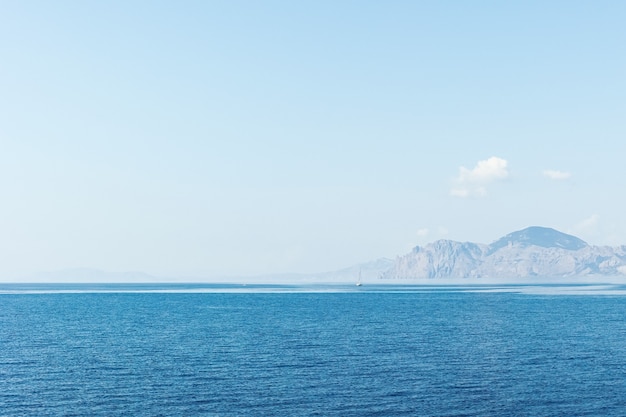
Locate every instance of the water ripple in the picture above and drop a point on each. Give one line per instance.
(307, 354)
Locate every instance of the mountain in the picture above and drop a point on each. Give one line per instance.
(534, 251)
(539, 236)
(531, 252)
(368, 272)
(91, 275)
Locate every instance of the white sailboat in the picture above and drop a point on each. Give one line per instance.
(358, 282)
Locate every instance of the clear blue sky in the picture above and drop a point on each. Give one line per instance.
(208, 138)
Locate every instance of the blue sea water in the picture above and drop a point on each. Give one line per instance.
(289, 351)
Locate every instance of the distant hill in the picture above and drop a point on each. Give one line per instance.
(531, 252)
(534, 251)
(91, 275)
(539, 236)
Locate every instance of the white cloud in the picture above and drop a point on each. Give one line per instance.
(423, 232)
(556, 175)
(473, 181)
(588, 228)
(588, 225)
(595, 230)
(459, 192)
(485, 171)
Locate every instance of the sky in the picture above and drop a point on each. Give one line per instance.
(226, 138)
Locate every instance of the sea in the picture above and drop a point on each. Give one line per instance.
(279, 350)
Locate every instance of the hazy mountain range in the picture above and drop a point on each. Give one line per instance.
(532, 252)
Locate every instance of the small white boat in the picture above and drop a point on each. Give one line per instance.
(358, 282)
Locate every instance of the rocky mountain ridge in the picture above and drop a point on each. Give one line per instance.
(534, 251)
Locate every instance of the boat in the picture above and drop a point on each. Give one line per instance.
(358, 282)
